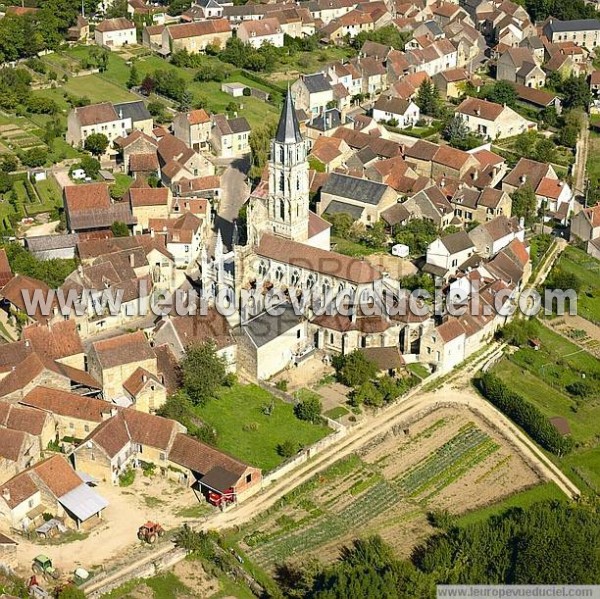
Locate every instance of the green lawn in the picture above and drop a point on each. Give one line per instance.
(336, 413)
(96, 87)
(351, 248)
(587, 270)
(244, 431)
(522, 499)
(540, 378)
(49, 192)
(418, 370)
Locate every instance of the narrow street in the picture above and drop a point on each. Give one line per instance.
(234, 192)
(579, 168)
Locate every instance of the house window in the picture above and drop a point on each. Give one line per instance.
(249, 478)
(86, 428)
(162, 457)
(71, 425)
(298, 334)
(30, 503)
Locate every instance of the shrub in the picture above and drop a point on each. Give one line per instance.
(282, 385)
(287, 448)
(309, 409)
(127, 478)
(525, 414)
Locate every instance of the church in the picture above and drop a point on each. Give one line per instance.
(288, 249)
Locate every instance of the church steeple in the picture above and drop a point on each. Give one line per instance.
(288, 130)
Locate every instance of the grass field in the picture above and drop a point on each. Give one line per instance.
(522, 499)
(587, 270)
(593, 160)
(244, 431)
(541, 377)
(350, 248)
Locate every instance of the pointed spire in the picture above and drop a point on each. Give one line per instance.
(288, 130)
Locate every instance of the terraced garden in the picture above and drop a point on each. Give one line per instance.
(389, 488)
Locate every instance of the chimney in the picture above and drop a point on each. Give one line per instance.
(27, 343)
(132, 260)
(6, 494)
(477, 111)
(523, 178)
(144, 378)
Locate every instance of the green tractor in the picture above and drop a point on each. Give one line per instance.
(42, 566)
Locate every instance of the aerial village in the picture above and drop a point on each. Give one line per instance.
(322, 148)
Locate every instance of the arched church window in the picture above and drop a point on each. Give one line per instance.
(281, 210)
(281, 182)
(310, 281)
(281, 154)
(295, 278)
(297, 183)
(262, 269)
(279, 274)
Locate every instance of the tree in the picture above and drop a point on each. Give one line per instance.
(119, 229)
(134, 77)
(502, 92)
(549, 116)
(5, 182)
(524, 202)
(185, 103)
(9, 163)
(369, 394)
(456, 132)
(96, 144)
(148, 85)
(417, 235)
(545, 150)
(428, 99)
(99, 57)
(287, 448)
(260, 142)
(309, 409)
(203, 371)
(91, 166)
(576, 91)
(35, 157)
(388, 36)
(354, 369)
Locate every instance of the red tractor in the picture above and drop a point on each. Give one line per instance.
(150, 531)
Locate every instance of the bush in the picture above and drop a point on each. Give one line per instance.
(288, 448)
(282, 385)
(247, 92)
(127, 478)
(354, 369)
(309, 409)
(524, 414)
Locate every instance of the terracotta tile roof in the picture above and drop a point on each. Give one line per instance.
(198, 328)
(451, 157)
(56, 341)
(358, 140)
(87, 197)
(364, 324)
(421, 150)
(111, 436)
(517, 250)
(261, 28)
(95, 114)
(450, 330)
(134, 136)
(22, 419)
(593, 215)
(158, 196)
(201, 458)
(527, 170)
(58, 475)
(18, 489)
(6, 273)
(148, 429)
(487, 158)
(68, 404)
(199, 28)
(208, 183)
(138, 380)
(317, 260)
(550, 188)
(198, 117)
(154, 29)
(143, 163)
(13, 293)
(327, 149)
(480, 108)
(177, 230)
(168, 367)
(12, 443)
(124, 349)
(97, 247)
(595, 77)
(453, 75)
(316, 224)
(115, 25)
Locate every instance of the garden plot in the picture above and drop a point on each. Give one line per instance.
(390, 487)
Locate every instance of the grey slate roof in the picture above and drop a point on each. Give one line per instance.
(135, 110)
(316, 83)
(265, 327)
(239, 125)
(575, 25)
(435, 29)
(330, 119)
(288, 129)
(337, 207)
(51, 242)
(353, 188)
(457, 242)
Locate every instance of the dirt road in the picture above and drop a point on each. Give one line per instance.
(579, 168)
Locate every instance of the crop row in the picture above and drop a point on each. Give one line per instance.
(443, 457)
